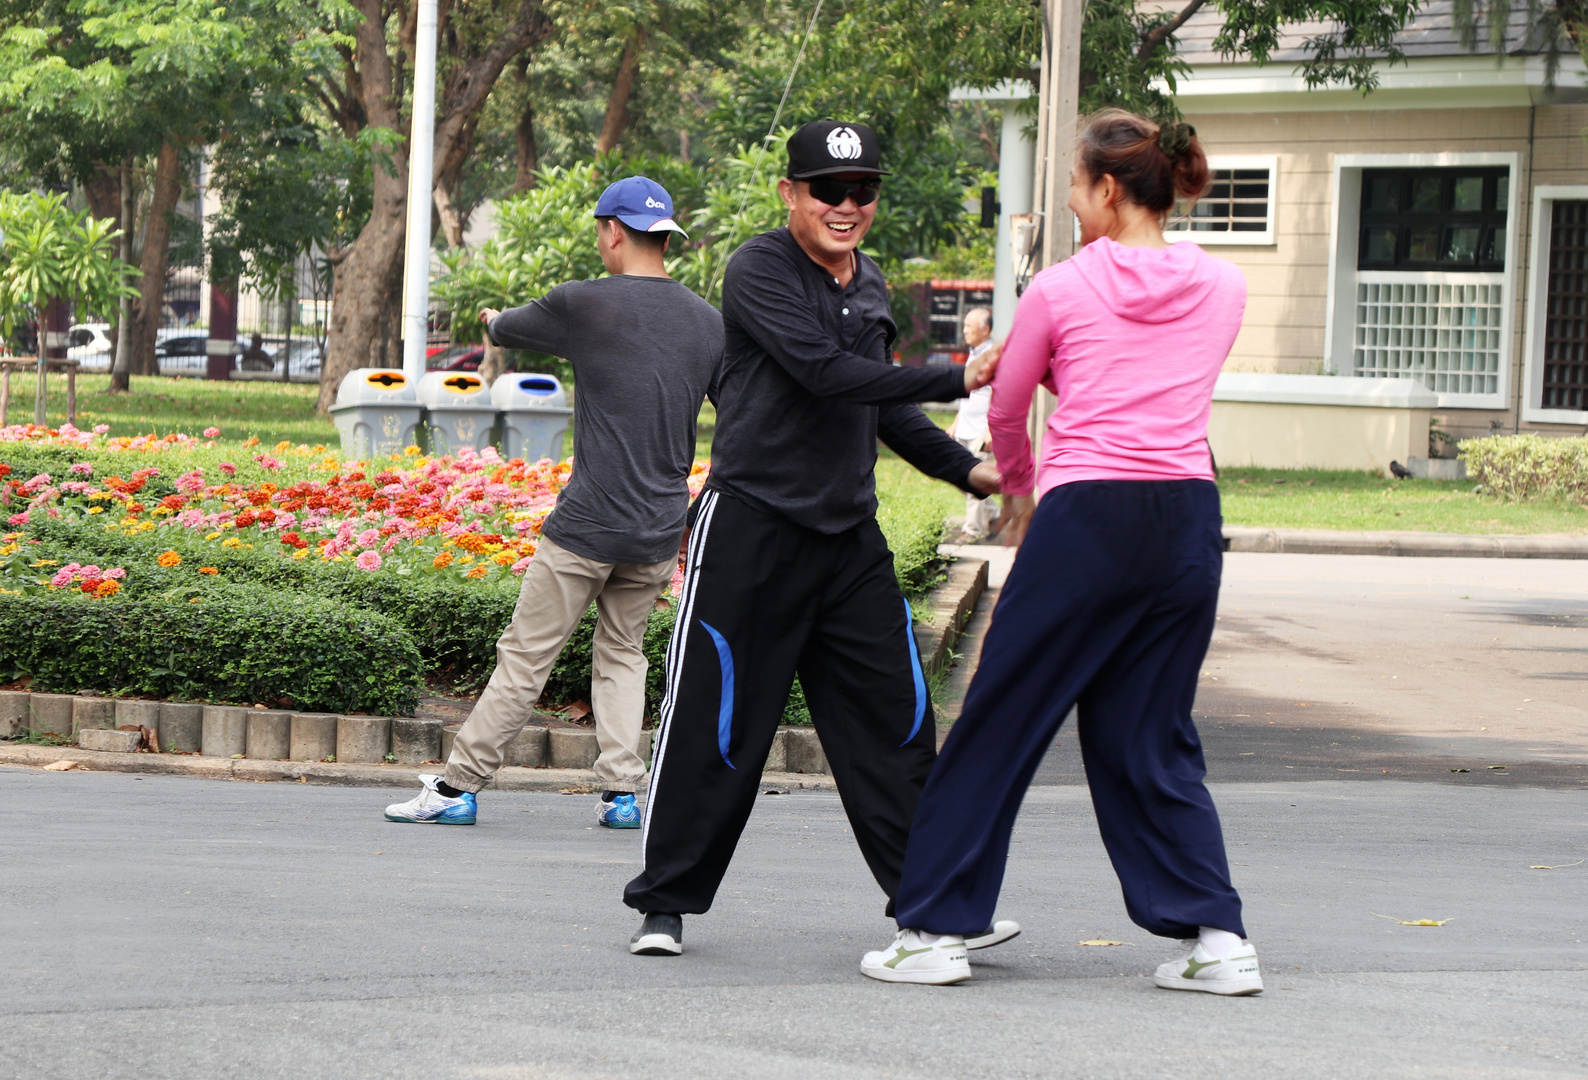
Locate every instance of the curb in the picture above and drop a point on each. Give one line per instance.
(1425, 545)
(511, 778)
(952, 603)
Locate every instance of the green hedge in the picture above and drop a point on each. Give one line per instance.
(230, 642)
(1525, 468)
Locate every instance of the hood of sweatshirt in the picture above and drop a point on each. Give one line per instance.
(1145, 284)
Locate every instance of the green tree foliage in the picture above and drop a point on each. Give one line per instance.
(49, 252)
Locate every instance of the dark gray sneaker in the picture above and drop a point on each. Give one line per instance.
(659, 935)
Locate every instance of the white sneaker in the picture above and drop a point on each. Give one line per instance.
(430, 807)
(1234, 976)
(999, 932)
(911, 960)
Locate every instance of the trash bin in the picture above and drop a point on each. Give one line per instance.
(376, 413)
(534, 415)
(458, 412)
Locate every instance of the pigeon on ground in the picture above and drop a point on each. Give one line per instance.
(1399, 471)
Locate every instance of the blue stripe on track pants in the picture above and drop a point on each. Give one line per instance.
(1109, 606)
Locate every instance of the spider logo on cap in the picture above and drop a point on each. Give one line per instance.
(844, 143)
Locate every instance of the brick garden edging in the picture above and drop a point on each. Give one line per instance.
(241, 743)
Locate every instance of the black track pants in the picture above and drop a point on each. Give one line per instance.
(764, 598)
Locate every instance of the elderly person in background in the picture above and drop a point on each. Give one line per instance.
(970, 426)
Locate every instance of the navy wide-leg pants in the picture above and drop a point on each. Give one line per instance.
(1110, 606)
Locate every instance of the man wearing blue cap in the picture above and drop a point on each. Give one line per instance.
(644, 351)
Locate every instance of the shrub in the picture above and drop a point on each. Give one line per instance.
(914, 529)
(1518, 468)
(218, 642)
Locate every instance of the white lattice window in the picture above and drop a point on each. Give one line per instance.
(1238, 207)
(1444, 330)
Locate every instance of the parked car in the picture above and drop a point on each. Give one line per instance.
(90, 337)
(183, 345)
(456, 358)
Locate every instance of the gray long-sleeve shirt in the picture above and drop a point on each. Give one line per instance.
(644, 351)
(807, 388)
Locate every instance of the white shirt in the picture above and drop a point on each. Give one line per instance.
(972, 423)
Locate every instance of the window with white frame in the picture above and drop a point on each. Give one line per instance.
(1441, 329)
(1555, 366)
(1238, 207)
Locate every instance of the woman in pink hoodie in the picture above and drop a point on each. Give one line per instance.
(1110, 605)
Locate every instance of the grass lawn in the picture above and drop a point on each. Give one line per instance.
(1297, 499)
(270, 410)
(1352, 501)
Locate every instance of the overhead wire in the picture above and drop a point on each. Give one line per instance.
(771, 132)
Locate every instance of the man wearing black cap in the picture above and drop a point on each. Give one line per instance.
(788, 571)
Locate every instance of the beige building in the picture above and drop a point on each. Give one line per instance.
(1435, 230)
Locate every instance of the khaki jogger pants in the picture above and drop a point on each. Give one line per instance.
(558, 589)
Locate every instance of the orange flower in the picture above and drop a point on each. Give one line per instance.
(208, 570)
(107, 588)
(168, 558)
(442, 561)
(477, 572)
(504, 558)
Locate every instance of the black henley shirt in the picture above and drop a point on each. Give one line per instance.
(807, 388)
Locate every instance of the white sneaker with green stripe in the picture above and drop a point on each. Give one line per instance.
(911, 960)
(1234, 976)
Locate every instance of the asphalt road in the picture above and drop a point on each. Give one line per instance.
(1365, 667)
(170, 927)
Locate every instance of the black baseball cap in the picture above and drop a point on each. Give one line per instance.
(826, 147)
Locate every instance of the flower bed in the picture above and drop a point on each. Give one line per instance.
(434, 545)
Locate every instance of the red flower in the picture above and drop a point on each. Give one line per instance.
(5, 470)
(245, 519)
(174, 502)
(267, 515)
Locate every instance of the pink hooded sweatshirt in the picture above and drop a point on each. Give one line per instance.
(1130, 340)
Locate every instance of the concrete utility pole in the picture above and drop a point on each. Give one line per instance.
(421, 181)
(1016, 165)
(1057, 115)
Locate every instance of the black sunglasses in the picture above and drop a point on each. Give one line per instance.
(834, 192)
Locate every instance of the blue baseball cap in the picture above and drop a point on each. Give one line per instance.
(640, 203)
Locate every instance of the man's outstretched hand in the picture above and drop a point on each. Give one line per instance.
(985, 478)
(487, 314)
(979, 372)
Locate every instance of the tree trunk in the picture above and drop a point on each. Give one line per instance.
(145, 324)
(617, 118)
(528, 158)
(121, 336)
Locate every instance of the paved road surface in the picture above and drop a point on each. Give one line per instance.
(1344, 666)
(169, 927)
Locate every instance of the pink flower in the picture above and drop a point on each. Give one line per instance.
(267, 462)
(212, 432)
(228, 468)
(82, 468)
(391, 542)
(191, 482)
(368, 561)
(522, 564)
(100, 429)
(39, 481)
(18, 519)
(331, 550)
(115, 573)
(368, 538)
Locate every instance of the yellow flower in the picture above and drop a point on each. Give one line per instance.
(411, 451)
(96, 509)
(213, 536)
(231, 542)
(145, 526)
(477, 572)
(161, 511)
(45, 562)
(318, 447)
(466, 560)
(130, 522)
(10, 549)
(504, 558)
(8, 537)
(301, 553)
(168, 558)
(283, 446)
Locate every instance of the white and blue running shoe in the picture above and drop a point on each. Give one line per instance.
(430, 807)
(620, 813)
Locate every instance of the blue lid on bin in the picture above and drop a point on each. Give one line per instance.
(528, 390)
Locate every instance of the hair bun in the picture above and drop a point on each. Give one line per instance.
(1175, 139)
